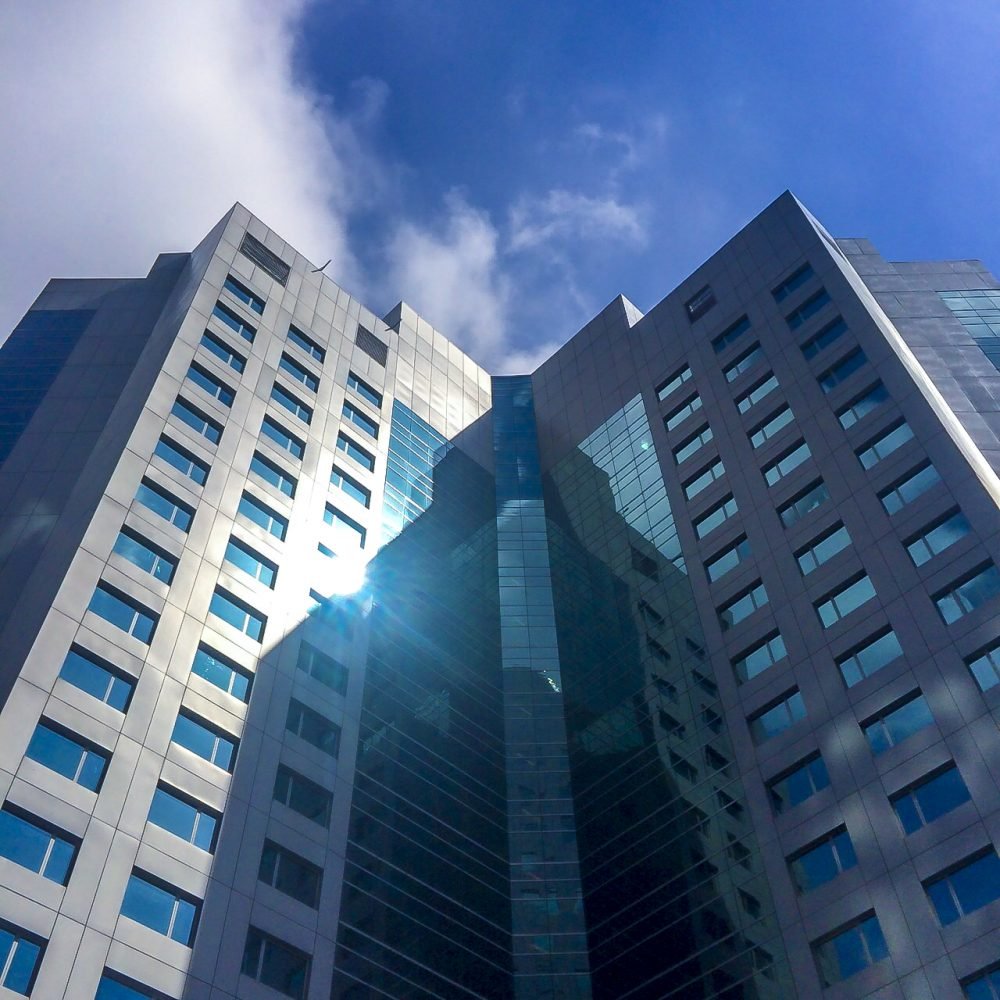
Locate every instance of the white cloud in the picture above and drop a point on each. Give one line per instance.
(564, 215)
(451, 273)
(130, 128)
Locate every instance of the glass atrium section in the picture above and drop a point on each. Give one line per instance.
(979, 312)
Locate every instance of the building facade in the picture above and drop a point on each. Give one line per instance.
(334, 667)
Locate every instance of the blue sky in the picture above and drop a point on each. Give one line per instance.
(506, 167)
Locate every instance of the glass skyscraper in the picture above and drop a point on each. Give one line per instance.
(335, 667)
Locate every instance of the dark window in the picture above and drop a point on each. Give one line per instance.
(371, 345)
(862, 405)
(364, 390)
(808, 309)
(205, 740)
(842, 370)
(743, 363)
(234, 321)
(290, 874)
(182, 460)
(850, 949)
(323, 668)
(148, 557)
(184, 817)
(273, 474)
(257, 511)
(731, 334)
(313, 727)
(823, 861)
(164, 504)
(699, 303)
(36, 845)
(197, 420)
(303, 796)
(295, 406)
(676, 417)
(67, 754)
(963, 890)
(793, 282)
(267, 260)
(355, 451)
(897, 723)
(931, 797)
(828, 335)
(299, 372)
(248, 298)
(276, 964)
(307, 344)
(985, 985)
(802, 782)
(803, 503)
(91, 674)
(222, 672)
(240, 615)
(214, 345)
(123, 612)
(215, 387)
(775, 718)
(282, 438)
(161, 908)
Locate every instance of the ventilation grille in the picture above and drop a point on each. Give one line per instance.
(371, 345)
(265, 259)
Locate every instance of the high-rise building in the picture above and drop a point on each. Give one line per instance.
(333, 667)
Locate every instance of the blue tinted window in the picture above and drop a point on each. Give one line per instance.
(20, 955)
(863, 405)
(704, 479)
(728, 559)
(237, 288)
(350, 531)
(300, 340)
(986, 986)
(884, 445)
(774, 720)
(313, 727)
(235, 322)
(252, 563)
(299, 372)
(241, 616)
(223, 352)
(123, 612)
(731, 334)
(290, 403)
(197, 736)
(742, 606)
(283, 439)
(223, 673)
(35, 846)
(364, 390)
(937, 537)
(719, 514)
(823, 862)
(743, 363)
(352, 414)
(275, 964)
(355, 451)
(965, 595)
(162, 503)
(908, 489)
(842, 602)
(804, 503)
(216, 388)
(258, 512)
(757, 659)
(930, 798)
(761, 390)
(148, 557)
(965, 889)
(786, 464)
(90, 674)
(830, 333)
(865, 660)
(890, 729)
(850, 950)
(67, 755)
(678, 416)
(793, 282)
(771, 427)
(182, 460)
(799, 784)
(160, 908)
(985, 667)
(808, 309)
(182, 817)
(198, 421)
(302, 795)
(823, 549)
(273, 474)
(291, 874)
(842, 370)
(351, 487)
(112, 988)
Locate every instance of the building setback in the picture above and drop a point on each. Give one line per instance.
(334, 667)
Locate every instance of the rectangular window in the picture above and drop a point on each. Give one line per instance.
(775, 471)
(355, 451)
(240, 615)
(822, 549)
(699, 303)
(123, 612)
(875, 653)
(200, 422)
(758, 658)
(771, 427)
(303, 796)
(298, 372)
(164, 504)
(742, 606)
(678, 416)
(804, 503)
(300, 340)
(793, 282)
(184, 817)
(148, 557)
(728, 559)
(693, 444)
(803, 781)
(719, 514)
(823, 861)
(941, 534)
(822, 340)
(284, 439)
(68, 755)
(884, 445)
(775, 718)
(985, 985)
(897, 723)
(205, 740)
(353, 533)
(842, 602)
(351, 487)
(704, 479)
(850, 950)
(240, 555)
(842, 370)
(273, 474)
(906, 490)
(743, 363)
(965, 889)
(731, 334)
(931, 797)
(353, 415)
(753, 396)
(215, 387)
(248, 298)
(36, 845)
(235, 323)
(312, 727)
(222, 672)
(182, 460)
(294, 406)
(221, 350)
(869, 400)
(291, 874)
(364, 390)
(968, 593)
(266, 259)
(808, 309)
(322, 668)
(275, 964)
(160, 907)
(985, 667)
(20, 956)
(258, 512)
(674, 382)
(95, 677)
